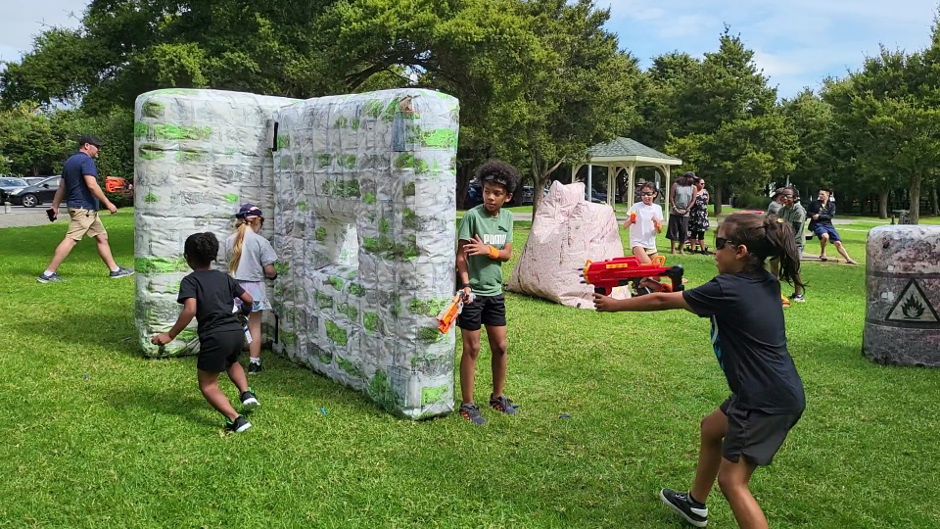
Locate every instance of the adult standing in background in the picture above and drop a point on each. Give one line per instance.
(83, 195)
(698, 216)
(680, 201)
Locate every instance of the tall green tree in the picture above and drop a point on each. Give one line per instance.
(728, 126)
(28, 141)
(580, 91)
(810, 121)
(889, 112)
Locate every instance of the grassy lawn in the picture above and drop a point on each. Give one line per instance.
(134, 444)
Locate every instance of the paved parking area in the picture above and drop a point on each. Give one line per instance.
(20, 216)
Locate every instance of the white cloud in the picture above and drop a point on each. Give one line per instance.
(20, 24)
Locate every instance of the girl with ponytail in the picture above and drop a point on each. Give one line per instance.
(250, 260)
(748, 336)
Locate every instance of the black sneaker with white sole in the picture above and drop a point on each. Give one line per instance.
(239, 425)
(254, 368)
(249, 400)
(797, 298)
(679, 501)
(53, 278)
(121, 272)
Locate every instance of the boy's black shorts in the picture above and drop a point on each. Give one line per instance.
(485, 310)
(219, 350)
(754, 434)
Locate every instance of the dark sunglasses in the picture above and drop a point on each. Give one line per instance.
(648, 194)
(721, 242)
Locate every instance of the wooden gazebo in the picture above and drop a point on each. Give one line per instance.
(626, 154)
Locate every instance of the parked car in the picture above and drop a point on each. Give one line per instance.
(474, 195)
(528, 195)
(33, 180)
(8, 184)
(30, 196)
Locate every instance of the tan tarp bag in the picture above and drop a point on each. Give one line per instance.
(566, 232)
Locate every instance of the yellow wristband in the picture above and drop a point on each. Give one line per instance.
(494, 253)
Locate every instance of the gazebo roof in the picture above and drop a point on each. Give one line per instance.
(628, 150)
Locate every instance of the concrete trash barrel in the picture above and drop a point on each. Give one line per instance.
(902, 326)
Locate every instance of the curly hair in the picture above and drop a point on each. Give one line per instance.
(499, 172)
(201, 248)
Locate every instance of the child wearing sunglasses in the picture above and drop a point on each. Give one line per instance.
(749, 339)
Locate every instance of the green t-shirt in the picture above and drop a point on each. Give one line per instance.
(795, 217)
(486, 275)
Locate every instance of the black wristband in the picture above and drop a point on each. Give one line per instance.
(464, 285)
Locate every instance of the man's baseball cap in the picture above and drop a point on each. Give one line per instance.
(88, 138)
(248, 210)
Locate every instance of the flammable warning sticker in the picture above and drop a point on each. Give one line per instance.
(913, 306)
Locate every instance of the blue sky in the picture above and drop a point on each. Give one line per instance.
(797, 42)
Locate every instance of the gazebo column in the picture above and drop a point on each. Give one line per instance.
(631, 185)
(612, 172)
(590, 181)
(666, 209)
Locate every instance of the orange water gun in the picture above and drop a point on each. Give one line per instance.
(633, 217)
(620, 271)
(448, 315)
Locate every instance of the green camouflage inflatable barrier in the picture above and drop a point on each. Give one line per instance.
(199, 155)
(364, 226)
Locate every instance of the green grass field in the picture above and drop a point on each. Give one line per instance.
(134, 444)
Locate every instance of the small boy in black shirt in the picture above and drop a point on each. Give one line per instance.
(209, 296)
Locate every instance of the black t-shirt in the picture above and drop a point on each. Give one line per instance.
(215, 294)
(750, 342)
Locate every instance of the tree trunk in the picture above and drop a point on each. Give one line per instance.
(883, 204)
(915, 198)
(464, 173)
(936, 206)
(717, 198)
(541, 176)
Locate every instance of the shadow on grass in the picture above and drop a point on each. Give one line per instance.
(185, 402)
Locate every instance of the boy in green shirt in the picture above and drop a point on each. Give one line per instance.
(484, 244)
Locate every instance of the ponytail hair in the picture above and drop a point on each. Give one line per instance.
(241, 225)
(766, 236)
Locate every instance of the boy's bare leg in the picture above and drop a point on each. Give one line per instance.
(468, 363)
(254, 327)
(236, 373)
(499, 346)
(733, 479)
(775, 267)
(714, 427)
(209, 386)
